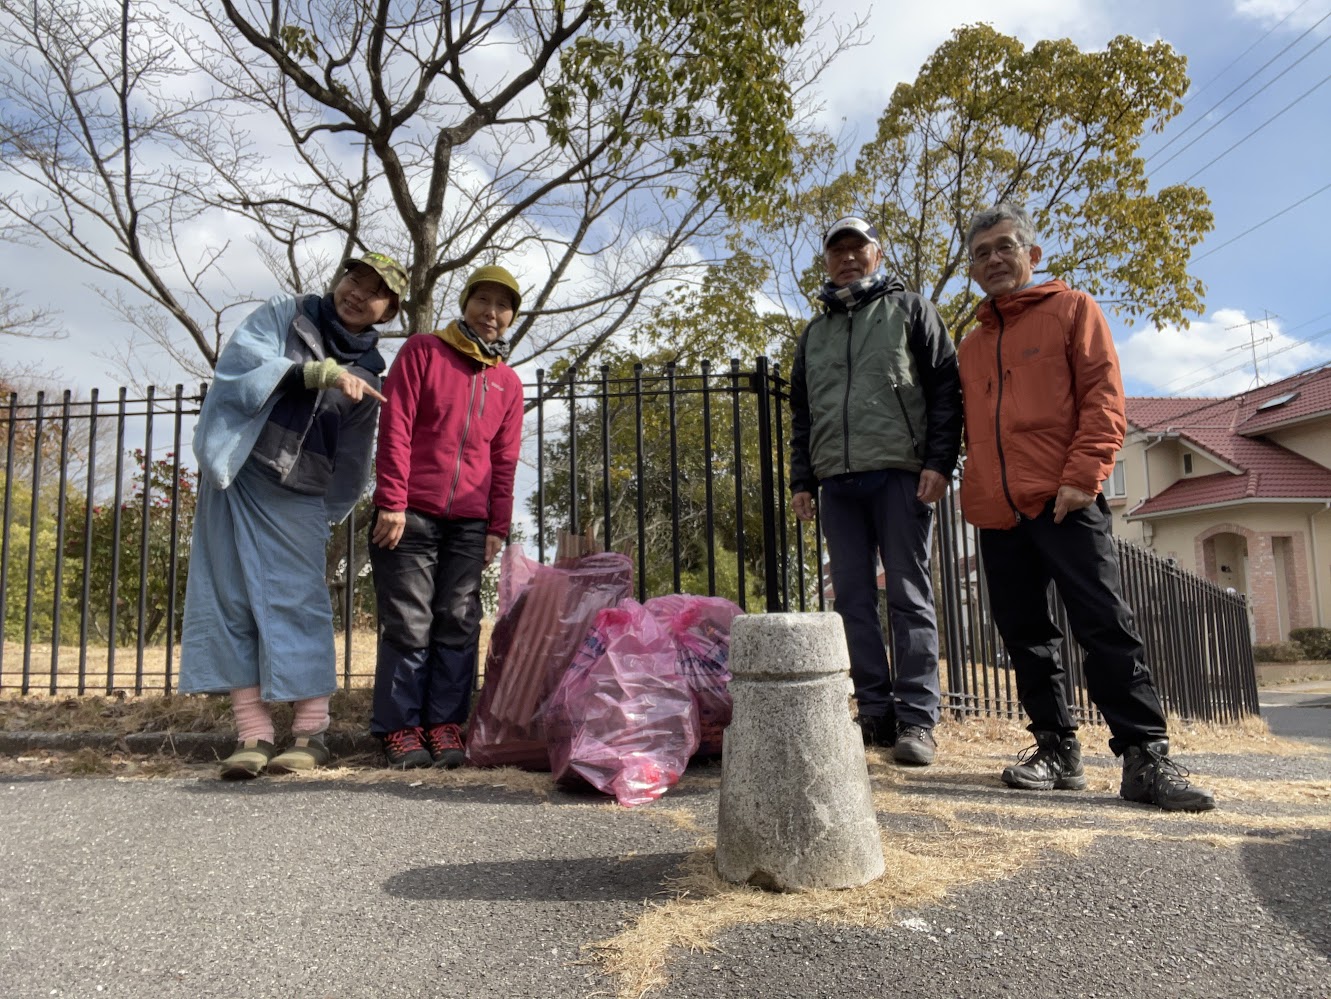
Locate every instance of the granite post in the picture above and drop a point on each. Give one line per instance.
(796, 810)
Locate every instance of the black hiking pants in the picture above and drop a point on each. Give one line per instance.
(1078, 557)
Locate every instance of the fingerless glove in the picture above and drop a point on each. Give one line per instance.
(322, 374)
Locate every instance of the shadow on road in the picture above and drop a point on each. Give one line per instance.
(581, 879)
(1288, 873)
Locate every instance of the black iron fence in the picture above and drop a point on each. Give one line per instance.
(684, 470)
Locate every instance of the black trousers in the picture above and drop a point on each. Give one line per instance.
(869, 515)
(1078, 557)
(428, 594)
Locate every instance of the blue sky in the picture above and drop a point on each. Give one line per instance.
(1281, 148)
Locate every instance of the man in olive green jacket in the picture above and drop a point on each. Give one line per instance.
(876, 429)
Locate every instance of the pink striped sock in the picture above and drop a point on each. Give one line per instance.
(252, 718)
(311, 716)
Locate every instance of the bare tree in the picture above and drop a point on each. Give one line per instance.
(195, 154)
(17, 319)
(93, 119)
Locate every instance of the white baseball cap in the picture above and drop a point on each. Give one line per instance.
(851, 223)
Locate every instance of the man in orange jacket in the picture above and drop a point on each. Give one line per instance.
(1044, 414)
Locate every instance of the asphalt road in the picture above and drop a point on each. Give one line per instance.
(1299, 710)
(278, 889)
(333, 889)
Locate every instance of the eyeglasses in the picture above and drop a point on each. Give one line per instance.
(1003, 248)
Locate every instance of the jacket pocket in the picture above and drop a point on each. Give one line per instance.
(1037, 395)
(978, 403)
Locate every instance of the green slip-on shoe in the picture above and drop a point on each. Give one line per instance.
(247, 760)
(306, 752)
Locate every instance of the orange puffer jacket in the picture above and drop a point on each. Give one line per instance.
(1043, 400)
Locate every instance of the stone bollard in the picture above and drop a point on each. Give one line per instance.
(796, 811)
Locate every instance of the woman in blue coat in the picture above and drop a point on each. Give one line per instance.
(284, 444)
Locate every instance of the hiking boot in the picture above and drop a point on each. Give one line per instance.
(878, 730)
(1053, 763)
(445, 745)
(306, 752)
(247, 760)
(405, 750)
(1151, 777)
(915, 746)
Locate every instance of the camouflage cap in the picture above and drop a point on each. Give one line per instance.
(393, 273)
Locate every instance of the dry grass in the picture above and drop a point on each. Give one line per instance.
(173, 713)
(124, 713)
(119, 670)
(122, 672)
(920, 872)
(1250, 734)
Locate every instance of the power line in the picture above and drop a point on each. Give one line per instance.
(1269, 218)
(1240, 367)
(1247, 100)
(1307, 322)
(1208, 367)
(1315, 87)
(1202, 116)
(1236, 60)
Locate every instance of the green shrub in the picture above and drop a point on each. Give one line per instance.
(1278, 652)
(1315, 642)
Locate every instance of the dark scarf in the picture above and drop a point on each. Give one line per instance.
(497, 348)
(855, 294)
(340, 343)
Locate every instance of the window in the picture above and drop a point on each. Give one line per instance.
(1187, 464)
(1277, 401)
(1115, 486)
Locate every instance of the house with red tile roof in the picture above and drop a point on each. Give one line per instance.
(1237, 490)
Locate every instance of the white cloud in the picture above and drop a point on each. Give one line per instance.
(899, 38)
(1213, 358)
(1268, 13)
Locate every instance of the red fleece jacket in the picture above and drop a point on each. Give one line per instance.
(449, 435)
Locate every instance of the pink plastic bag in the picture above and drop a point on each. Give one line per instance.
(700, 628)
(545, 612)
(621, 717)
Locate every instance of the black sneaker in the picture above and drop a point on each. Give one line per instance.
(878, 730)
(1151, 777)
(445, 745)
(1053, 763)
(405, 750)
(915, 746)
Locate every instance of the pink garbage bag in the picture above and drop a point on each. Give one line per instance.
(621, 717)
(545, 611)
(700, 629)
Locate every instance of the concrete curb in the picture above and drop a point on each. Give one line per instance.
(199, 746)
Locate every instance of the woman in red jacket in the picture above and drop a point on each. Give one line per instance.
(449, 438)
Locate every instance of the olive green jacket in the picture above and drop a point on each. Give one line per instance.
(874, 388)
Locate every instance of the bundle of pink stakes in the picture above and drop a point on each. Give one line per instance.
(585, 682)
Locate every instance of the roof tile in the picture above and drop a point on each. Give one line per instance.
(1230, 429)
